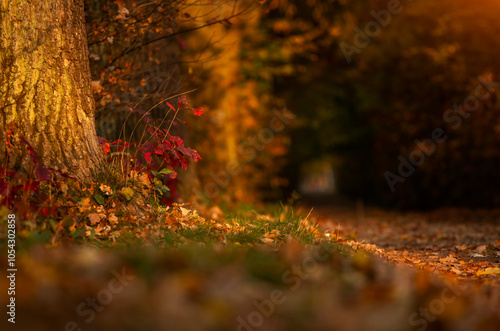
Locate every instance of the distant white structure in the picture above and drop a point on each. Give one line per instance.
(317, 178)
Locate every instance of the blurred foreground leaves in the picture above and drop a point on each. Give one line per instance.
(332, 284)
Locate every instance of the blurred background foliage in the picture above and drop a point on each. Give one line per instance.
(249, 61)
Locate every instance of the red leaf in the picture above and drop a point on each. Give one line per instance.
(160, 149)
(190, 153)
(198, 111)
(107, 148)
(121, 144)
(182, 102)
(42, 173)
(148, 158)
(178, 119)
(34, 157)
(171, 107)
(105, 145)
(176, 140)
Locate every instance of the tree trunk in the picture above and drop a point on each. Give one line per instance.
(45, 86)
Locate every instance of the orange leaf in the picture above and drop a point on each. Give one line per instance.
(170, 221)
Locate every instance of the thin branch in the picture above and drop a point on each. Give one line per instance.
(130, 50)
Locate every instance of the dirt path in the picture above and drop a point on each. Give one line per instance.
(457, 242)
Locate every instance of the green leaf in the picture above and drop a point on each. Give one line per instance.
(163, 171)
(127, 192)
(99, 199)
(162, 188)
(52, 224)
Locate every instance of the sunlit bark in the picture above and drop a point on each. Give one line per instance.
(45, 86)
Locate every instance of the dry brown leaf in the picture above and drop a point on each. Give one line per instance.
(481, 249)
(449, 259)
(267, 240)
(84, 205)
(94, 218)
(144, 180)
(112, 219)
(184, 211)
(272, 235)
(106, 189)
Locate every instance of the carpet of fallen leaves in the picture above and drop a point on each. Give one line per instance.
(460, 243)
(435, 278)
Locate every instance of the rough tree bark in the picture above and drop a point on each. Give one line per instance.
(45, 86)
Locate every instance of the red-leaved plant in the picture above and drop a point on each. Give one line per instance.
(21, 190)
(158, 156)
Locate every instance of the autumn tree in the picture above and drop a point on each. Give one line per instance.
(45, 88)
(245, 126)
(370, 108)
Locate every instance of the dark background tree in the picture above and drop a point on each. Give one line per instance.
(365, 113)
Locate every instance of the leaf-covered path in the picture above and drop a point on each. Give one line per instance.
(458, 242)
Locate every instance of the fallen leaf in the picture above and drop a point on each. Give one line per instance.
(112, 218)
(481, 248)
(84, 205)
(184, 211)
(170, 221)
(144, 180)
(272, 235)
(106, 189)
(94, 218)
(476, 255)
(127, 192)
(448, 259)
(489, 271)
